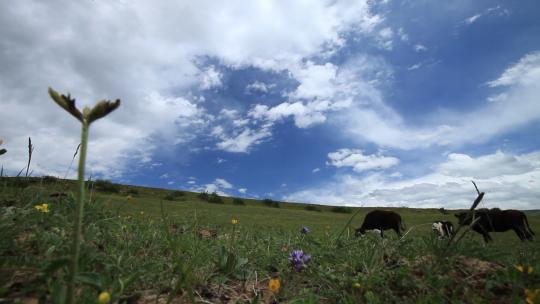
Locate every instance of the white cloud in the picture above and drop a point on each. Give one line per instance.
(402, 35)
(496, 10)
(384, 38)
(420, 48)
(141, 52)
(473, 18)
(211, 78)
(223, 183)
(243, 141)
(359, 161)
(315, 170)
(524, 73)
(415, 66)
(487, 166)
(375, 122)
(510, 181)
(242, 190)
(258, 86)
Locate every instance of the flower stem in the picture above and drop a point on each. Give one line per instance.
(77, 229)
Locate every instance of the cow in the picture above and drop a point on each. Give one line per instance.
(381, 220)
(444, 229)
(497, 220)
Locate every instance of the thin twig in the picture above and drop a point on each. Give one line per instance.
(30, 150)
(470, 214)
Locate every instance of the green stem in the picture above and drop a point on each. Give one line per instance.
(77, 229)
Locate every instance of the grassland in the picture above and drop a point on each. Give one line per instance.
(146, 245)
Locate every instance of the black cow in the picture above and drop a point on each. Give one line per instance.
(381, 220)
(497, 220)
(443, 228)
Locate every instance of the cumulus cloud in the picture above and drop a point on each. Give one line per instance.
(219, 186)
(150, 58)
(243, 141)
(420, 48)
(211, 78)
(510, 181)
(258, 86)
(360, 162)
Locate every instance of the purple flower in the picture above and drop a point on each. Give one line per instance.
(305, 230)
(299, 259)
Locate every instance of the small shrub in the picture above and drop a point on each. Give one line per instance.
(271, 203)
(132, 192)
(340, 209)
(47, 179)
(204, 196)
(174, 195)
(215, 198)
(312, 208)
(238, 201)
(106, 186)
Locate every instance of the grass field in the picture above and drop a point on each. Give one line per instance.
(145, 245)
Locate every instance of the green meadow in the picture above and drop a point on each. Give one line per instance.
(147, 245)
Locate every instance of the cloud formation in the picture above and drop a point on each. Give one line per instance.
(359, 162)
(510, 181)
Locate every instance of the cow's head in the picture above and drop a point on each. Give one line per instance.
(463, 218)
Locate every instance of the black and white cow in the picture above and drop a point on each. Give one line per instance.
(444, 229)
(381, 220)
(497, 220)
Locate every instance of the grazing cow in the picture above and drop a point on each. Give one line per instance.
(497, 220)
(381, 220)
(443, 228)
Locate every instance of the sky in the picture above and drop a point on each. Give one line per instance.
(353, 103)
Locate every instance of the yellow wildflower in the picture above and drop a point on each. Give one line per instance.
(274, 285)
(42, 208)
(357, 285)
(531, 295)
(520, 268)
(104, 297)
(234, 221)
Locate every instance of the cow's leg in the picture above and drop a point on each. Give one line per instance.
(396, 229)
(483, 232)
(519, 232)
(382, 232)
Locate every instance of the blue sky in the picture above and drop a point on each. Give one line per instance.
(359, 103)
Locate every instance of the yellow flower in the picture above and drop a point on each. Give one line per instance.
(530, 269)
(234, 221)
(357, 285)
(42, 208)
(104, 297)
(531, 295)
(518, 267)
(274, 285)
